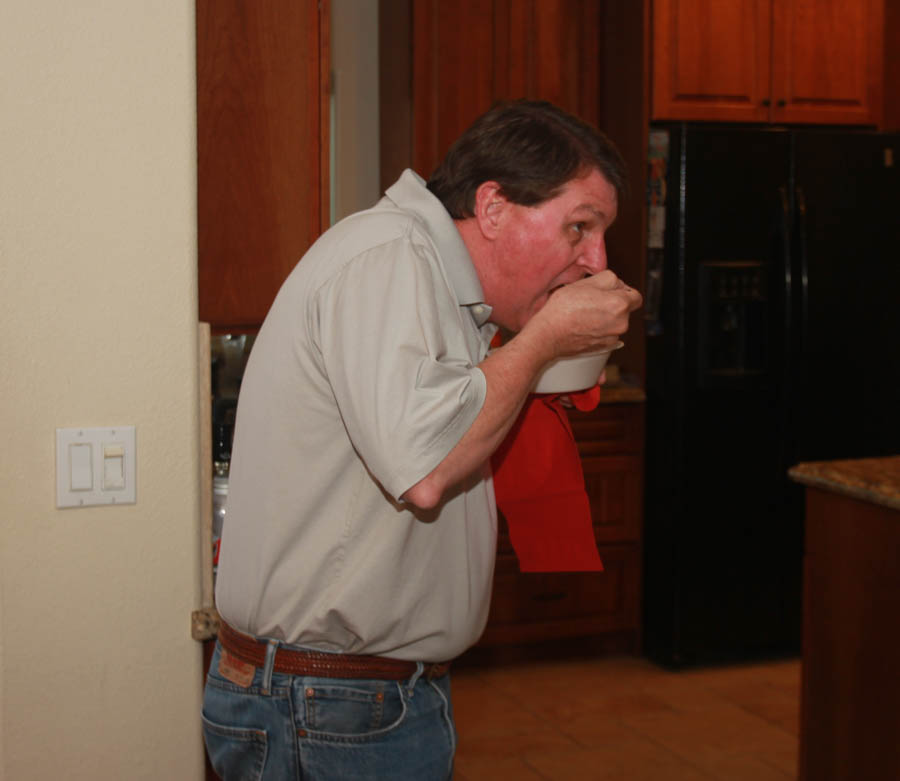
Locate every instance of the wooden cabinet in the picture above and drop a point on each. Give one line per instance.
(545, 608)
(262, 142)
(851, 641)
(849, 720)
(470, 53)
(784, 61)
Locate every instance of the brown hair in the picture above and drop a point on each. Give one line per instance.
(532, 149)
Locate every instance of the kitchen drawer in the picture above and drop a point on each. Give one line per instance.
(530, 606)
(610, 428)
(613, 485)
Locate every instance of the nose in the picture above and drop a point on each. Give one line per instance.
(593, 255)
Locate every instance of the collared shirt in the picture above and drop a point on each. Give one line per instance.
(362, 379)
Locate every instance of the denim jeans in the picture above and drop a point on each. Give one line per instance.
(298, 727)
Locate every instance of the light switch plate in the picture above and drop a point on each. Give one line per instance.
(95, 466)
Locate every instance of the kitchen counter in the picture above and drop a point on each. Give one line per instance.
(851, 637)
(622, 393)
(875, 480)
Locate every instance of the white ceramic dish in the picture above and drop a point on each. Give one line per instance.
(575, 372)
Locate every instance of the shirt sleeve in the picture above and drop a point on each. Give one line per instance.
(393, 346)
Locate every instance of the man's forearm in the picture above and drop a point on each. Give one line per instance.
(584, 315)
(510, 372)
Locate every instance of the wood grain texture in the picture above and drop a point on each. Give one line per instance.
(785, 61)
(850, 688)
(711, 60)
(534, 608)
(395, 88)
(452, 80)
(827, 61)
(260, 173)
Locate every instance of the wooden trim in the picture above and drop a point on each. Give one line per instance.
(204, 418)
(890, 101)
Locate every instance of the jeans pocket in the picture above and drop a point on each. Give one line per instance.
(235, 752)
(353, 710)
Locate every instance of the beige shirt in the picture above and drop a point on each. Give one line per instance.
(362, 379)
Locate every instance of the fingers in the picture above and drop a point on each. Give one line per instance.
(608, 281)
(635, 299)
(604, 280)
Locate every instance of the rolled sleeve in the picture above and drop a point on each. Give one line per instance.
(393, 345)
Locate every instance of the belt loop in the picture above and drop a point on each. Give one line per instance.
(269, 665)
(420, 668)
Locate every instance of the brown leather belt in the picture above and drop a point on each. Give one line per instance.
(322, 664)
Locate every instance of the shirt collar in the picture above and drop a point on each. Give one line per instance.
(409, 192)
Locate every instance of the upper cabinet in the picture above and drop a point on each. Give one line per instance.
(470, 53)
(262, 147)
(781, 61)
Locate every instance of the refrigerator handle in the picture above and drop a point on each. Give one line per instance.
(803, 268)
(786, 448)
(786, 270)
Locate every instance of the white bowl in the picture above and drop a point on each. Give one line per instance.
(574, 372)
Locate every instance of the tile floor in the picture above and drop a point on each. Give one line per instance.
(624, 718)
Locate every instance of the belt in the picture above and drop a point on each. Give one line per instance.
(321, 664)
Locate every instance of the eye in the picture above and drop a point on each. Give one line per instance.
(577, 229)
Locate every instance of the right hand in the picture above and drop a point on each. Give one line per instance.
(589, 314)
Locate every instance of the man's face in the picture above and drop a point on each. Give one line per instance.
(539, 248)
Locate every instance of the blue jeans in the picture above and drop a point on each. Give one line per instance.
(297, 727)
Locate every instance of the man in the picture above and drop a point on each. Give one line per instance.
(358, 549)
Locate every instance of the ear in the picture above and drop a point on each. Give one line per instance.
(490, 208)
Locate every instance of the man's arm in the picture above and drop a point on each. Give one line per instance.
(585, 315)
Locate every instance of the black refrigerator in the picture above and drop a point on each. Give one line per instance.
(773, 320)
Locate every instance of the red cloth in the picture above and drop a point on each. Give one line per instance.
(539, 485)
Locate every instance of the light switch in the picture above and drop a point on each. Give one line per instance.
(81, 467)
(113, 467)
(95, 466)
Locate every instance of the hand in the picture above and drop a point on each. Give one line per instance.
(589, 314)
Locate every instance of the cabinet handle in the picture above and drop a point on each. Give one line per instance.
(781, 103)
(766, 102)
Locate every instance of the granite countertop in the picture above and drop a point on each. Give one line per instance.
(875, 480)
(622, 392)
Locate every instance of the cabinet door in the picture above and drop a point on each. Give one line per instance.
(542, 606)
(614, 485)
(470, 53)
(549, 50)
(260, 178)
(827, 61)
(452, 75)
(711, 60)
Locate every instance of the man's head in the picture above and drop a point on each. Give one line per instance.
(531, 149)
(533, 191)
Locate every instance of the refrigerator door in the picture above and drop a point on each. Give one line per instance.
(848, 359)
(722, 537)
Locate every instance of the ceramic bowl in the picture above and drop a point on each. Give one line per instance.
(574, 372)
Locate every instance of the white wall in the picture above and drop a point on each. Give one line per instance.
(99, 677)
(355, 151)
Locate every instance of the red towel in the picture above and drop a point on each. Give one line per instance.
(539, 485)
